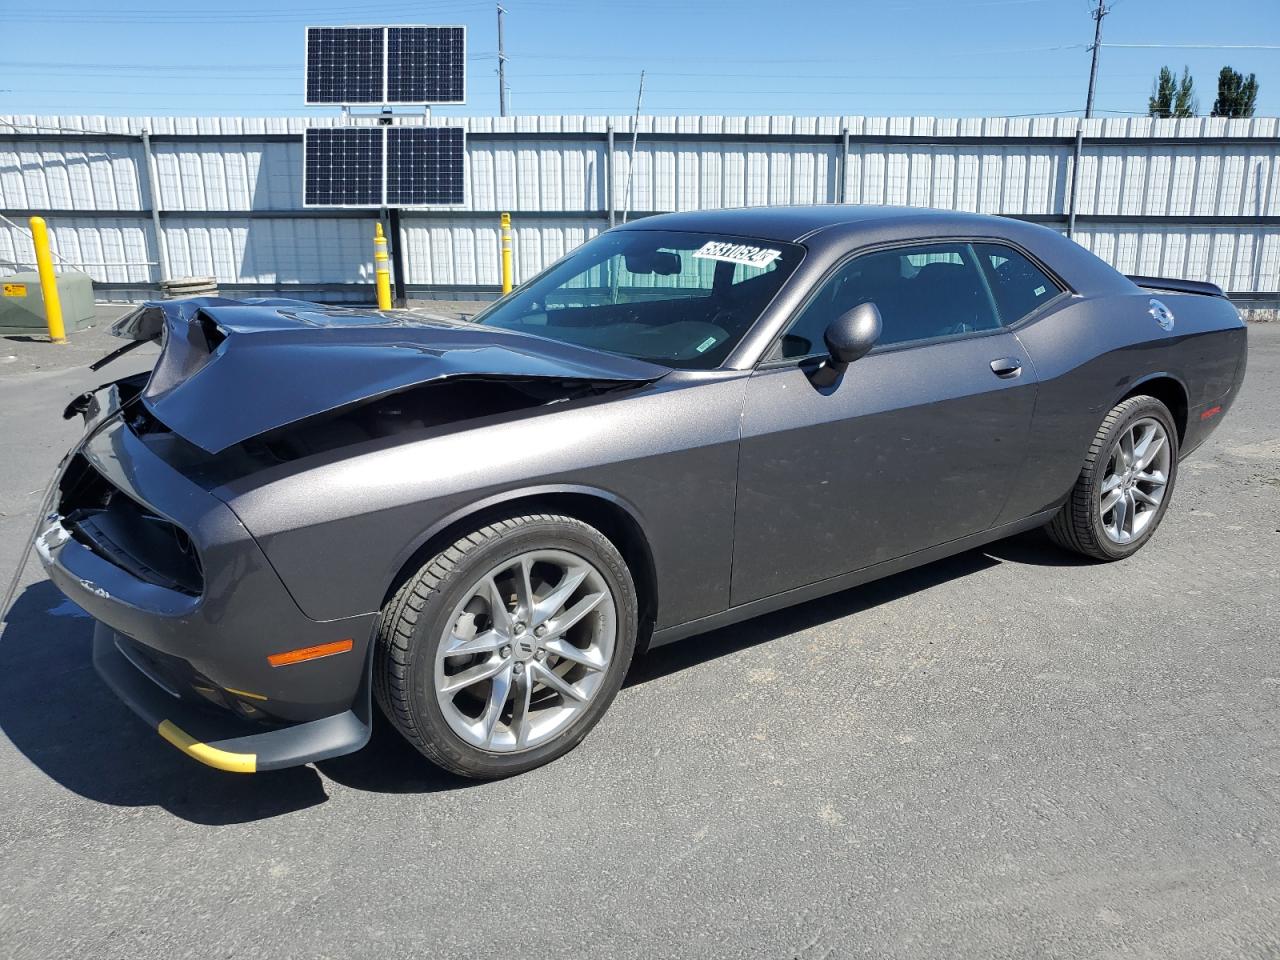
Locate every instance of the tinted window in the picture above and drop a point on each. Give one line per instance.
(922, 291)
(1018, 284)
(680, 299)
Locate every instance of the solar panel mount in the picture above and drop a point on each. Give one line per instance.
(390, 65)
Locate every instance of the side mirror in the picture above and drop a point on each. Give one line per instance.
(849, 337)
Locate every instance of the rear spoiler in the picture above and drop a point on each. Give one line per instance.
(1179, 286)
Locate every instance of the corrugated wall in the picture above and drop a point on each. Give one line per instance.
(1193, 198)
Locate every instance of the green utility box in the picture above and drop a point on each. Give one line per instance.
(22, 306)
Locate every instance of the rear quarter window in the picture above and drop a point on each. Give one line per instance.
(1018, 285)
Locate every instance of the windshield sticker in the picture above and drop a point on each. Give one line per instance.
(747, 255)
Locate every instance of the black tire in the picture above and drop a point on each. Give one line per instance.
(1078, 526)
(413, 625)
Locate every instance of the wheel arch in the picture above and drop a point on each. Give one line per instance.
(1169, 390)
(613, 516)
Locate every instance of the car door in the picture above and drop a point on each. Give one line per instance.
(917, 444)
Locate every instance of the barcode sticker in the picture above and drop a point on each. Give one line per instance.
(743, 253)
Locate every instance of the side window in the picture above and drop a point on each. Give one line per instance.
(1018, 285)
(922, 291)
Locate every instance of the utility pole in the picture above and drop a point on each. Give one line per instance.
(1098, 13)
(631, 164)
(502, 65)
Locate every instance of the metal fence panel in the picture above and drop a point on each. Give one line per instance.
(1196, 197)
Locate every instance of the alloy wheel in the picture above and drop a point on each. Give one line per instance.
(525, 651)
(1135, 482)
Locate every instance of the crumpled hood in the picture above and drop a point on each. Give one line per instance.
(233, 369)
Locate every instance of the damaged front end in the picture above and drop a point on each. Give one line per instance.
(167, 521)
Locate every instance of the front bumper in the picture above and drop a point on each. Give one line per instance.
(195, 665)
(223, 741)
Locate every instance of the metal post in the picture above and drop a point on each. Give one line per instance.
(1099, 12)
(1075, 180)
(608, 173)
(842, 187)
(48, 281)
(153, 192)
(397, 256)
(1260, 204)
(506, 253)
(502, 66)
(381, 271)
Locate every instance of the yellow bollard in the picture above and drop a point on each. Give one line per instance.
(381, 271)
(506, 253)
(48, 281)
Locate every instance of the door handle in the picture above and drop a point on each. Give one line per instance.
(1006, 367)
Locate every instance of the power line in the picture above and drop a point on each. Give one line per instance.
(310, 14)
(418, 5)
(716, 74)
(736, 91)
(1195, 46)
(223, 71)
(683, 5)
(573, 56)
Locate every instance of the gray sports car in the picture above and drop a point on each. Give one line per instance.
(689, 420)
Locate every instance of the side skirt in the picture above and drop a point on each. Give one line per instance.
(845, 581)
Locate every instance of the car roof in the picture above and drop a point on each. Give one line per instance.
(795, 223)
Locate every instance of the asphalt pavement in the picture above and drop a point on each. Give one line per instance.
(1011, 753)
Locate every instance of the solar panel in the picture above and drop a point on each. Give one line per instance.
(377, 65)
(345, 64)
(426, 64)
(342, 167)
(426, 166)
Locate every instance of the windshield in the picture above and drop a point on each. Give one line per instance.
(678, 299)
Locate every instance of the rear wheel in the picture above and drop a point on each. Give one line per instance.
(508, 646)
(1125, 485)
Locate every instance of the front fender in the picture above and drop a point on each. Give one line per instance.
(341, 531)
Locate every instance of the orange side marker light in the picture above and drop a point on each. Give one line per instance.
(1211, 412)
(309, 653)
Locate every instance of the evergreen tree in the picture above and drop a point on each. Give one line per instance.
(1171, 97)
(1185, 103)
(1160, 103)
(1237, 94)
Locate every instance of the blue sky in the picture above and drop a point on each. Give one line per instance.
(892, 57)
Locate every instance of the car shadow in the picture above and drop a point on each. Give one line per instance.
(63, 718)
(388, 764)
(1032, 549)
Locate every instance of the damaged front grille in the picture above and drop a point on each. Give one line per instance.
(126, 533)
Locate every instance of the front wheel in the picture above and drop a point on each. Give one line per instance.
(1125, 485)
(508, 646)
